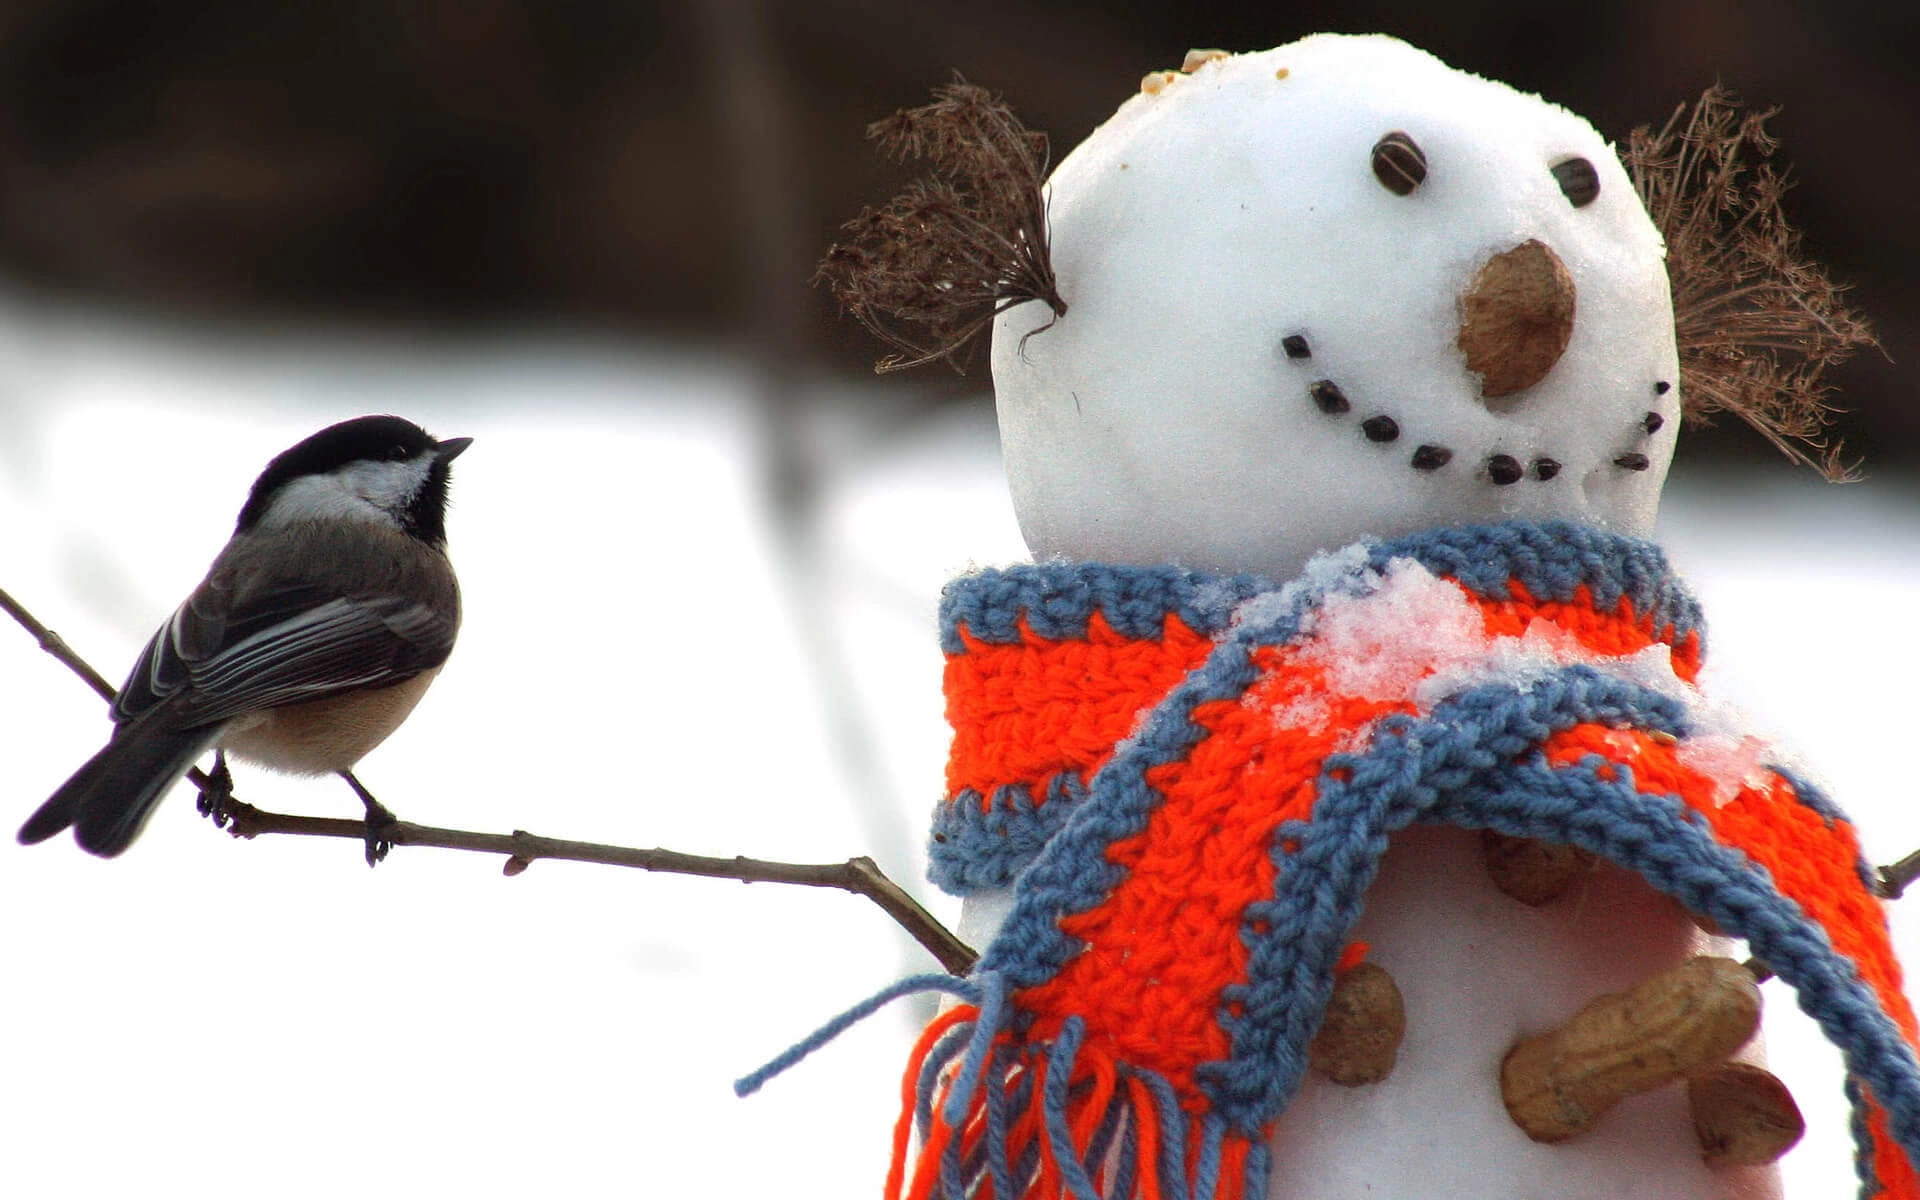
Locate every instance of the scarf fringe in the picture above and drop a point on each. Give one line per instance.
(1003, 1119)
(999, 1119)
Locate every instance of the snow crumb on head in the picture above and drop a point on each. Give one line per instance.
(1401, 635)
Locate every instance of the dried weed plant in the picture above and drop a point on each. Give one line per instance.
(1757, 323)
(930, 269)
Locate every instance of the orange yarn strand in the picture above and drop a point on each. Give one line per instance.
(910, 1091)
(1147, 1142)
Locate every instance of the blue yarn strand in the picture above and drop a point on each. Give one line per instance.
(986, 1026)
(1053, 1108)
(966, 989)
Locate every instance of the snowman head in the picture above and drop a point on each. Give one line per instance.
(1330, 291)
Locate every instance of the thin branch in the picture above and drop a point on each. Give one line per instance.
(57, 646)
(1894, 878)
(858, 875)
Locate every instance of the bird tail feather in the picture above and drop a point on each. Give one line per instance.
(109, 799)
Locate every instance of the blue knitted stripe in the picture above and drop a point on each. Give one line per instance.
(976, 847)
(1459, 767)
(1552, 560)
(1058, 598)
(1684, 861)
(1411, 768)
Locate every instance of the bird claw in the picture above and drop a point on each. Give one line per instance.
(216, 795)
(380, 821)
(380, 824)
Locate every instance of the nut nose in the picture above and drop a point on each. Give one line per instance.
(1516, 318)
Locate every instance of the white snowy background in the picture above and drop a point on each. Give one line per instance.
(273, 1019)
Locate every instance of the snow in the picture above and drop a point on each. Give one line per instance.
(1204, 223)
(1271, 349)
(273, 1018)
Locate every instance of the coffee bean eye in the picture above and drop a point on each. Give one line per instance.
(1578, 181)
(1398, 163)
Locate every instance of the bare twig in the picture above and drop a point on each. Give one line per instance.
(57, 646)
(1894, 877)
(858, 875)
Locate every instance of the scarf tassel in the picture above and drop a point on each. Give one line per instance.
(998, 1120)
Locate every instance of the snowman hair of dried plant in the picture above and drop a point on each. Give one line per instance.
(930, 269)
(1757, 323)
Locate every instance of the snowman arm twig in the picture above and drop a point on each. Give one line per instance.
(859, 875)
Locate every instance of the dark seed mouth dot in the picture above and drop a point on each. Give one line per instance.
(1295, 346)
(1653, 422)
(1431, 458)
(1633, 462)
(1327, 394)
(1504, 469)
(1662, 388)
(1545, 468)
(1380, 429)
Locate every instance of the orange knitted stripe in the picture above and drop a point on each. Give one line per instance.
(1896, 1176)
(1813, 861)
(1614, 634)
(1167, 939)
(1025, 712)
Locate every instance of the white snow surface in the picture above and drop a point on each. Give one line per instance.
(271, 1018)
(1160, 419)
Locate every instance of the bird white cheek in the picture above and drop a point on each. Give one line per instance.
(372, 492)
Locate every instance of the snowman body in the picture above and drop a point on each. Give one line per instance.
(1295, 282)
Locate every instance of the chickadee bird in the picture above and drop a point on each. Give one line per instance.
(314, 634)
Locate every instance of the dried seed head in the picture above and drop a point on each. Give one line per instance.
(1504, 469)
(1758, 324)
(1380, 429)
(1398, 163)
(928, 271)
(1431, 458)
(1296, 346)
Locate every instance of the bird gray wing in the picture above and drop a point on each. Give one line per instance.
(215, 659)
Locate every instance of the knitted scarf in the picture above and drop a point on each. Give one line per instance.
(1189, 782)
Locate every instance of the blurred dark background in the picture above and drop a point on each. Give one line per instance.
(674, 169)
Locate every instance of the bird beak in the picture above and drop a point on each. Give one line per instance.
(449, 448)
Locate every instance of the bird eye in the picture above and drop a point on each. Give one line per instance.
(397, 453)
(1399, 163)
(1578, 181)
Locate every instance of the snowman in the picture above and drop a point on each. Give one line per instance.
(1333, 799)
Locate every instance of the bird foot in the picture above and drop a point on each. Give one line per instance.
(380, 821)
(216, 794)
